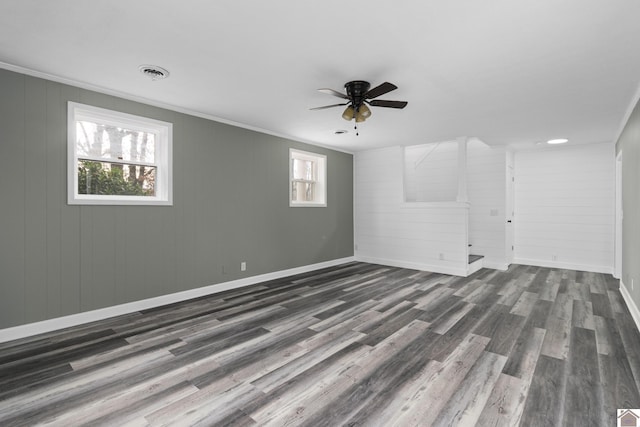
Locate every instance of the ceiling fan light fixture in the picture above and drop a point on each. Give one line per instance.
(364, 111)
(360, 118)
(348, 113)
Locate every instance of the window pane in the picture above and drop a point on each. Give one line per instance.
(307, 179)
(303, 169)
(302, 191)
(115, 179)
(111, 142)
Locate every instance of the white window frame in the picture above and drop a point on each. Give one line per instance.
(320, 190)
(163, 156)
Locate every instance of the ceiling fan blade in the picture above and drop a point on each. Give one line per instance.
(334, 93)
(380, 90)
(328, 106)
(389, 104)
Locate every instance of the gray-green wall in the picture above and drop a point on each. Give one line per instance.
(230, 205)
(629, 144)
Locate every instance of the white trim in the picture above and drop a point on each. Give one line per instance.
(565, 265)
(320, 161)
(617, 253)
(147, 101)
(633, 308)
(502, 266)
(442, 269)
(163, 162)
(36, 328)
(627, 114)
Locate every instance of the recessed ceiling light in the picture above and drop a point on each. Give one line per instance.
(557, 141)
(154, 72)
(341, 131)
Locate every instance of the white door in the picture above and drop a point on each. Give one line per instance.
(509, 236)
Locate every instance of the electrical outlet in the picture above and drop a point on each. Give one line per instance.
(441, 256)
(243, 266)
(554, 257)
(355, 247)
(224, 269)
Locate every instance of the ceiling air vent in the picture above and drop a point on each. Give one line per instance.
(154, 72)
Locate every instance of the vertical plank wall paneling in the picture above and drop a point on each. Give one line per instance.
(12, 207)
(564, 207)
(35, 176)
(390, 232)
(486, 188)
(69, 244)
(230, 205)
(55, 179)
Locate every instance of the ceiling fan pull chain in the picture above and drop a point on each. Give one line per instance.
(356, 128)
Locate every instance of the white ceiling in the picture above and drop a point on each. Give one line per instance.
(502, 70)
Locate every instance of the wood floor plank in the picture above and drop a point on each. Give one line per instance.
(355, 344)
(505, 404)
(525, 304)
(525, 352)
(601, 305)
(549, 289)
(617, 303)
(558, 325)
(540, 278)
(451, 317)
(335, 372)
(540, 313)
(296, 405)
(545, 399)
(582, 315)
(467, 403)
(583, 402)
(424, 406)
(630, 338)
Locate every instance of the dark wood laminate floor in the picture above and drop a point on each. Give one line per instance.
(357, 344)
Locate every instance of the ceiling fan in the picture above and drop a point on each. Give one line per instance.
(359, 96)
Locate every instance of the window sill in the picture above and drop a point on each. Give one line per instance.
(307, 205)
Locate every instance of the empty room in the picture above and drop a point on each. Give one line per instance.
(319, 213)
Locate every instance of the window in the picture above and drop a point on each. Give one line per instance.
(117, 159)
(307, 178)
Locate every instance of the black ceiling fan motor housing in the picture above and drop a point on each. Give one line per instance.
(356, 91)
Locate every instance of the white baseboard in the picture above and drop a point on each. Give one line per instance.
(435, 268)
(502, 266)
(36, 328)
(633, 308)
(565, 265)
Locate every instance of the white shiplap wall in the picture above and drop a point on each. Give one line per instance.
(486, 188)
(564, 207)
(391, 232)
(431, 172)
